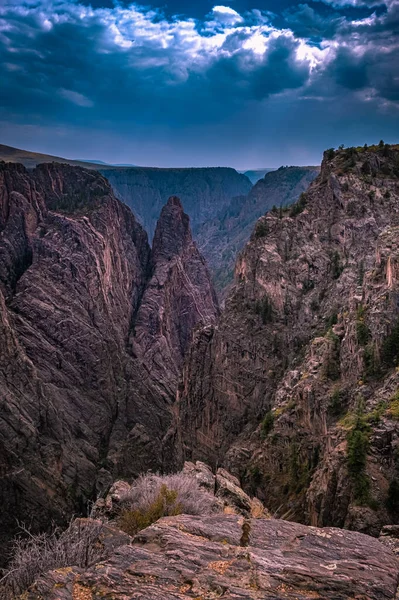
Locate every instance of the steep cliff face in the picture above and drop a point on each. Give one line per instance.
(178, 297)
(77, 402)
(295, 389)
(221, 238)
(203, 192)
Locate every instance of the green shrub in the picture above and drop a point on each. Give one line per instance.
(372, 366)
(336, 404)
(357, 448)
(131, 521)
(267, 424)
(330, 153)
(336, 267)
(261, 229)
(332, 369)
(299, 206)
(393, 407)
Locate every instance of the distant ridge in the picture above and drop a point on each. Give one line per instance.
(32, 159)
(256, 175)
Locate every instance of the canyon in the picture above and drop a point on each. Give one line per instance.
(116, 359)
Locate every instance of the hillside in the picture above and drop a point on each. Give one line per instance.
(296, 389)
(32, 159)
(221, 238)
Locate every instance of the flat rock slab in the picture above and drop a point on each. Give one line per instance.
(202, 558)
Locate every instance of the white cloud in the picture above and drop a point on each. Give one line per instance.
(76, 98)
(227, 15)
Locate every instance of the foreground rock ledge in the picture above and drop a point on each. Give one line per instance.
(203, 558)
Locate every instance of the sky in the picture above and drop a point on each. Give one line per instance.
(247, 83)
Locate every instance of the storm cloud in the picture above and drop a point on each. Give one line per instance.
(132, 84)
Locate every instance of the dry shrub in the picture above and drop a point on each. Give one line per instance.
(154, 496)
(78, 546)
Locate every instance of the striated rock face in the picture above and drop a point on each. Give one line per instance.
(80, 397)
(208, 557)
(203, 191)
(223, 236)
(295, 389)
(178, 298)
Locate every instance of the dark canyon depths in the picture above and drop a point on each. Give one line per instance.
(93, 329)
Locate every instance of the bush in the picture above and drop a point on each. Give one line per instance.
(154, 496)
(336, 267)
(261, 229)
(299, 206)
(267, 424)
(330, 153)
(358, 443)
(32, 557)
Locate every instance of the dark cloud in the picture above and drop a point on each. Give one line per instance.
(306, 22)
(122, 72)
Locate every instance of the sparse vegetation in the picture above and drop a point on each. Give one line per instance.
(165, 504)
(267, 424)
(261, 229)
(357, 448)
(392, 410)
(35, 555)
(299, 206)
(330, 153)
(154, 496)
(336, 267)
(332, 369)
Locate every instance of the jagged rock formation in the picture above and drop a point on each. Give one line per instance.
(222, 237)
(227, 556)
(295, 390)
(178, 296)
(203, 191)
(78, 400)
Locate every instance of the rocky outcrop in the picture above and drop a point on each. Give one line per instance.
(81, 399)
(295, 389)
(222, 237)
(178, 297)
(213, 556)
(203, 191)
